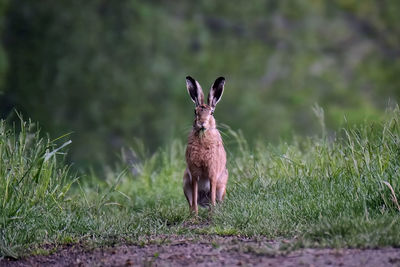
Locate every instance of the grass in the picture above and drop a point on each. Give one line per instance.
(340, 191)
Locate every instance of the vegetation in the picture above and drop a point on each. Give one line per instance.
(113, 71)
(339, 191)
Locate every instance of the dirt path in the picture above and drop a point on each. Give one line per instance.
(210, 251)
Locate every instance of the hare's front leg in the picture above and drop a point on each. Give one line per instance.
(213, 184)
(194, 197)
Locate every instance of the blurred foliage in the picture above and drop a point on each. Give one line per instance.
(113, 71)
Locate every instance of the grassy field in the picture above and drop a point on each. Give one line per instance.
(334, 190)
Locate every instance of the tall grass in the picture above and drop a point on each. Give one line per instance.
(334, 190)
(32, 183)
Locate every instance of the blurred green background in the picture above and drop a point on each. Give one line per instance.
(113, 72)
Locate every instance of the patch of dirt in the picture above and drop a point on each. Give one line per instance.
(210, 251)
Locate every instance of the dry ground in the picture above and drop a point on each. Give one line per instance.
(209, 251)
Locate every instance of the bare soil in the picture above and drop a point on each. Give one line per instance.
(209, 251)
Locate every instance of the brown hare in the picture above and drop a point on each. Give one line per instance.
(206, 175)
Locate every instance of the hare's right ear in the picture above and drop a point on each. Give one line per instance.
(195, 91)
(216, 92)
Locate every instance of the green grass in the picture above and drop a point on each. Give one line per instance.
(324, 191)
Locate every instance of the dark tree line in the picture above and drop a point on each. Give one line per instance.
(113, 71)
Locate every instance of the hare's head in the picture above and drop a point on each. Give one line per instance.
(204, 118)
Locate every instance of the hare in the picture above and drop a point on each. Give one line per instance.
(206, 174)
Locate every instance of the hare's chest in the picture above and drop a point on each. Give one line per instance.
(201, 155)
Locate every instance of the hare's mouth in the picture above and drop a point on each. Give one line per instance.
(201, 127)
(202, 130)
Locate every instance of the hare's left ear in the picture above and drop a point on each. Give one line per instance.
(216, 92)
(195, 91)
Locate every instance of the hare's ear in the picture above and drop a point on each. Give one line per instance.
(216, 92)
(195, 91)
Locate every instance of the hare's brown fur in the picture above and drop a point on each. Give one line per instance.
(206, 176)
